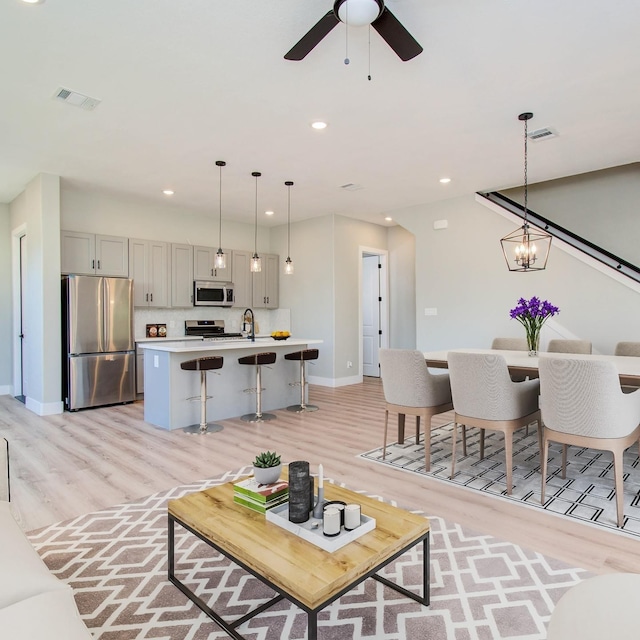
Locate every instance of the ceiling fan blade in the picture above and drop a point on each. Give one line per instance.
(313, 37)
(396, 36)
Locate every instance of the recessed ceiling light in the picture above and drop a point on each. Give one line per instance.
(445, 180)
(319, 125)
(268, 213)
(168, 192)
(388, 218)
(33, 1)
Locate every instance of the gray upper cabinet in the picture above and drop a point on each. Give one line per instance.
(91, 254)
(204, 265)
(149, 268)
(266, 283)
(181, 275)
(242, 279)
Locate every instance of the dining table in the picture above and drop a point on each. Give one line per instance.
(520, 362)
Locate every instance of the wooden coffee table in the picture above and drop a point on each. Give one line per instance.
(297, 570)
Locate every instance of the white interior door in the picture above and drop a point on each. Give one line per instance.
(370, 316)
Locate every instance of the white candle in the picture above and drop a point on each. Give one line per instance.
(331, 522)
(351, 516)
(320, 477)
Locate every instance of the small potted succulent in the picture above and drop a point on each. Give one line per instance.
(267, 467)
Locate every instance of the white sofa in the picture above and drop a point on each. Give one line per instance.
(34, 604)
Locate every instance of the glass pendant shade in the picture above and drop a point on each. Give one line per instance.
(288, 266)
(256, 263)
(221, 259)
(526, 249)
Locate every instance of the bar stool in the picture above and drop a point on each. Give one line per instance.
(302, 356)
(203, 365)
(258, 359)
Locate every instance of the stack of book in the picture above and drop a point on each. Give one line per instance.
(260, 497)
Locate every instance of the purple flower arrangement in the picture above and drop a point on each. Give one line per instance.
(532, 314)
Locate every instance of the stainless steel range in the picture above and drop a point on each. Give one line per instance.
(209, 330)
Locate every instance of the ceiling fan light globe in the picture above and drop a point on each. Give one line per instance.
(358, 13)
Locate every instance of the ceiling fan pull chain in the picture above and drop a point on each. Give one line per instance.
(369, 76)
(346, 37)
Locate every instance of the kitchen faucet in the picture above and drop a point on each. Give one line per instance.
(252, 336)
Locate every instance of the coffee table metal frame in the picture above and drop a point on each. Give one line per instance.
(312, 614)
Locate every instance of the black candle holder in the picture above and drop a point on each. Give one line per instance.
(299, 491)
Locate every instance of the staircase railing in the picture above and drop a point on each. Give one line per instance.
(589, 248)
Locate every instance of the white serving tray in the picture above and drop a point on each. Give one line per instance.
(280, 516)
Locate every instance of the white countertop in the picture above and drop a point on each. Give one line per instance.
(168, 339)
(266, 342)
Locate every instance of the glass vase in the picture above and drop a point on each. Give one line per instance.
(533, 343)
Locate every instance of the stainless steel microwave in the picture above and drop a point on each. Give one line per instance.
(212, 294)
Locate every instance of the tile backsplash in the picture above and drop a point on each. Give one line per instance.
(267, 320)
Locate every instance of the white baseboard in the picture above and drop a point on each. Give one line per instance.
(6, 390)
(44, 408)
(334, 382)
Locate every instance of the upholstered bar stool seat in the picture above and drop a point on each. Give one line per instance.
(258, 360)
(302, 356)
(203, 365)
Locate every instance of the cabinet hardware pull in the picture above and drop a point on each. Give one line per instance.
(98, 264)
(152, 297)
(147, 298)
(93, 264)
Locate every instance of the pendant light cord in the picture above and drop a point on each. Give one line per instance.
(255, 237)
(220, 210)
(289, 220)
(525, 170)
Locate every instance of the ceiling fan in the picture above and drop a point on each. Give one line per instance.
(358, 13)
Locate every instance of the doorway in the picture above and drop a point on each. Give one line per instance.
(374, 310)
(20, 287)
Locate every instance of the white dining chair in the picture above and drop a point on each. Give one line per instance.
(629, 349)
(484, 396)
(411, 389)
(582, 404)
(510, 344)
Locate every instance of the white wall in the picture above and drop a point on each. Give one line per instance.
(461, 271)
(402, 288)
(6, 383)
(38, 209)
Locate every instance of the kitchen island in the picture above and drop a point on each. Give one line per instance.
(167, 387)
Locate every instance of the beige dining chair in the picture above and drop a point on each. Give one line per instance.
(582, 405)
(510, 344)
(484, 396)
(569, 346)
(627, 349)
(411, 389)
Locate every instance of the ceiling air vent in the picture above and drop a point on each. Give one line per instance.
(351, 187)
(542, 134)
(76, 99)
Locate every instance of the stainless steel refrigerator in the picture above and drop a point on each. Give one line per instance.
(98, 342)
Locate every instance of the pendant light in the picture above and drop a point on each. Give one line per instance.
(221, 259)
(526, 249)
(256, 263)
(288, 263)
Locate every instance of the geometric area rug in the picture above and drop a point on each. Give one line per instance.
(482, 588)
(587, 494)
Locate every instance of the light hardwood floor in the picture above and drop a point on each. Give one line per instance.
(70, 464)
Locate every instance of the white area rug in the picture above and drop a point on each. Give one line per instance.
(587, 494)
(482, 588)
